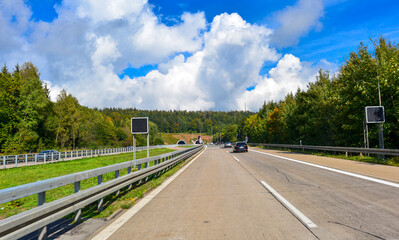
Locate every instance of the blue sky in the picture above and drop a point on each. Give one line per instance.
(147, 47)
(345, 24)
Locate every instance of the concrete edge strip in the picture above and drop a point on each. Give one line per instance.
(236, 159)
(392, 184)
(113, 227)
(291, 207)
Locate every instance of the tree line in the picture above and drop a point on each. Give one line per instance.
(331, 111)
(30, 121)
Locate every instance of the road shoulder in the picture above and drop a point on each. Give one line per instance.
(385, 172)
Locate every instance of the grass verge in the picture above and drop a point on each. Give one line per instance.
(23, 175)
(391, 161)
(126, 198)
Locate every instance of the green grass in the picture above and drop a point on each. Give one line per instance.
(169, 139)
(126, 198)
(23, 175)
(388, 160)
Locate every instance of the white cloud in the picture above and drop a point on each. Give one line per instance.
(89, 44)
(14, 21)
(107, 10)
(296, 21)
(106, 51)
(289, 75)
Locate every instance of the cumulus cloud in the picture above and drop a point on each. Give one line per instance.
(296, 21)
(85, 48)
(289, 75)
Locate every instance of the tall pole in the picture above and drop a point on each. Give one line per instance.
(134, 148)
(380, 126)
(148, 145)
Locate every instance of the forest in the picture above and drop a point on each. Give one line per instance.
(331, 111)
(30, 121)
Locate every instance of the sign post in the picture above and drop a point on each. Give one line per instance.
(376, 114)
(139, 125)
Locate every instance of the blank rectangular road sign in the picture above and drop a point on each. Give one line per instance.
(375, 114)
(139, 125)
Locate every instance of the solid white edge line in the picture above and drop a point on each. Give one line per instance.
(336, 170)
(288, 205)
(113, 227)
(236, 159)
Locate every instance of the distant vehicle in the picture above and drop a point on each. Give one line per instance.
(48, 153)
(228, 145)
(240, 147)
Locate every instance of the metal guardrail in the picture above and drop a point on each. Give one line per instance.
(37, 158)
(20, 225)
(377, 151)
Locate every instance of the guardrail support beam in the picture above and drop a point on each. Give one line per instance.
(41, 199)
(100, 201)
(116, 176)
(78, 213)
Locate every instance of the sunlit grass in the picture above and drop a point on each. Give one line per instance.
(23, 175)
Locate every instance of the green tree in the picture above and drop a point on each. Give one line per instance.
(68, 114)
(32, 107)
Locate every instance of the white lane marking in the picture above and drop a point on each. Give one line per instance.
(236, 159)
(336, 170)
(288, 205)
(113, 227)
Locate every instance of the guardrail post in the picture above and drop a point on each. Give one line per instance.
(35, 158)
(16, 160)
(41, 199)
(4, 162)
(78, 213)
(45, 158)
(52, 157)
(26, 159)
(116, 176)
(91, 153)
(100, 201)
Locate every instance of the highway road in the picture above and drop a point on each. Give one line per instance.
(225, 195)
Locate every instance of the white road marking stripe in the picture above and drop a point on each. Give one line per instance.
(336, 170)
(288, 205)
(236, 159)
(113, 227)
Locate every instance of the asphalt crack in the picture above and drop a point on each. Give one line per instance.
(357, 229)
(292, 182)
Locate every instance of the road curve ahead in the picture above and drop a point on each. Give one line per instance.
(214, 198)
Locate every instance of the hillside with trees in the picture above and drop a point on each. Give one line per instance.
(331, 111)
(30, 121)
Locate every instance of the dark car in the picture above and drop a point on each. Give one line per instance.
(240, 147)
(47, 153)
(228, 145)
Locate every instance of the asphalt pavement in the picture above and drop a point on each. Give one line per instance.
(225, 195)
